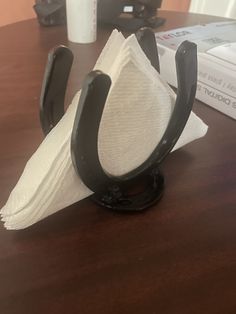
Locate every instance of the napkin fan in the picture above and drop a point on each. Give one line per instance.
(143, 186)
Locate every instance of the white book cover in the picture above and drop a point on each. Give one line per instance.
(216, 44)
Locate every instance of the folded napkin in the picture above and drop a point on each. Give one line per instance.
(136, 114)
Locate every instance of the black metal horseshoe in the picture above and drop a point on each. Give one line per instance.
(116, 192)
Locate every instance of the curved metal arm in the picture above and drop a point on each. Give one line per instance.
(186, 68)
(53, 91)
(84, 138)
(147, 41)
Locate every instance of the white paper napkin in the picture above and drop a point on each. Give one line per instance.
(136, 114)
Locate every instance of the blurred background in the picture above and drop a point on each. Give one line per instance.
(18, 10)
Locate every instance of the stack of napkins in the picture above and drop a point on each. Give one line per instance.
(136, 114)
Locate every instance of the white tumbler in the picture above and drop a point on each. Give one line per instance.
(81, 20)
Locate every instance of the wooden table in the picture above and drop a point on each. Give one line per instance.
(179, 257)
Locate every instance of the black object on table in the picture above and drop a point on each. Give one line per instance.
(113, 192)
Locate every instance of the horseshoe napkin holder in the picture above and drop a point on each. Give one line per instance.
(144, 186)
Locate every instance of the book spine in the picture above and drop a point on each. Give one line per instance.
(217, 86)
(216, 99)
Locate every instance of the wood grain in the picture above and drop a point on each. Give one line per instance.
(178, 257)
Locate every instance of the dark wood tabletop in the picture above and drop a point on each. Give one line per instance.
(177, 257)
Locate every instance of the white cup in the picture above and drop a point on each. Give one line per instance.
(81, 20)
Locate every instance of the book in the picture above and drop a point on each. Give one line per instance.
(216, 44)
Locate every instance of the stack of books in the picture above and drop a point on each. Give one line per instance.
(216, 44)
